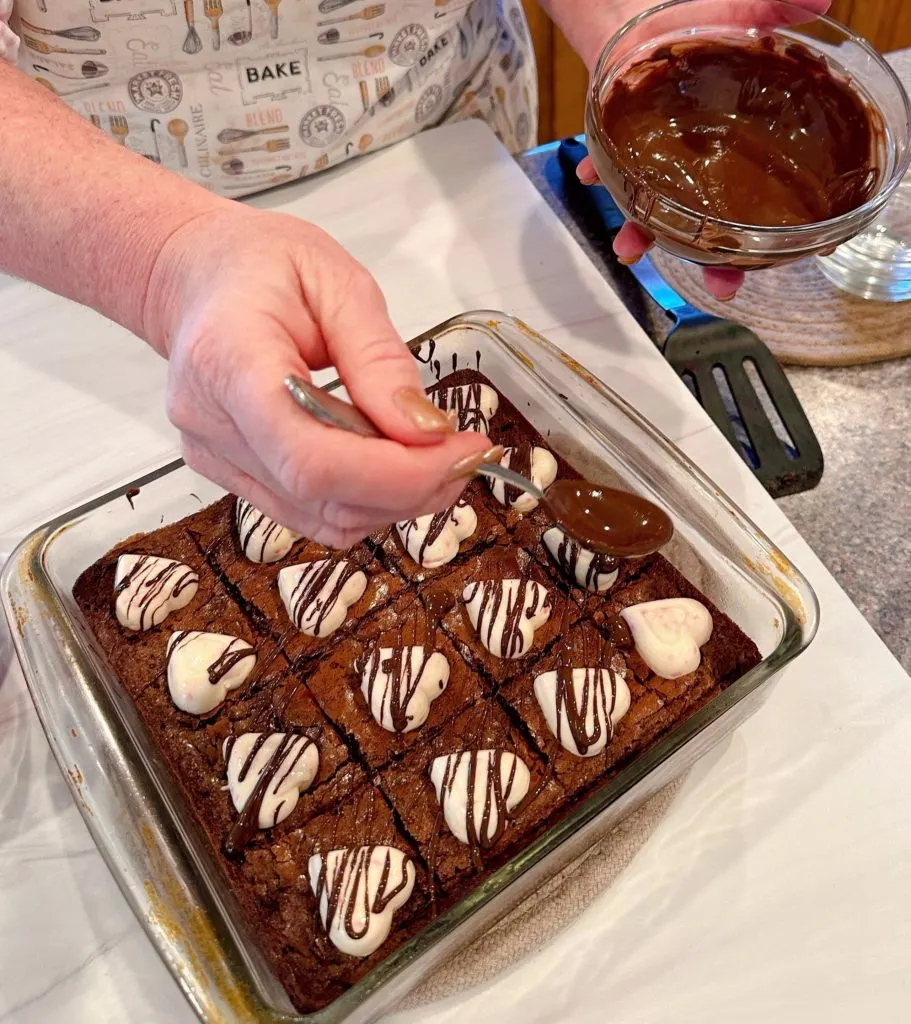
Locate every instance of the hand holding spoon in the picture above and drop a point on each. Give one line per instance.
(601, 519)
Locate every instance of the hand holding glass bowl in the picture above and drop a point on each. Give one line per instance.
(744, 135)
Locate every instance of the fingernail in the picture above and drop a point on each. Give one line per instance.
(466, 467)
(629, 261)
(587, 179)
(421, 412)
(726, 298)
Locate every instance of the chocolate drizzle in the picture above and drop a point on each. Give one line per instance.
(495, 811)
(154, 588)
(465, 401)
(249, 520)
(234, 653)
(247, 824)
(498, 600)
(437, 525)
(306, 593)
(350, 880)
(402, 677)
(597, 660)
(521, 459)
(567, 558)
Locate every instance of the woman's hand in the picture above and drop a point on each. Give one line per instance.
(633, 240)
(241, 298)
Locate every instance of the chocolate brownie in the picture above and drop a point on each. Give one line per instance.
(402, 733)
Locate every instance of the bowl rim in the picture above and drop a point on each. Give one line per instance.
(845, 220)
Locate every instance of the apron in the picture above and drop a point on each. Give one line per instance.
(241, 95)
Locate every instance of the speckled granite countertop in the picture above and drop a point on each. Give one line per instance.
(856, 519)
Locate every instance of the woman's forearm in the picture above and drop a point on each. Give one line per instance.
(78, 213)
(588, 24)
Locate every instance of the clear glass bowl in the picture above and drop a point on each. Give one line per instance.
(144, 827)
(711, 241)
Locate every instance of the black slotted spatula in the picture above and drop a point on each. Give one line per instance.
(729, 370)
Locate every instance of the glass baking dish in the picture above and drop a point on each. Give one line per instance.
(144, 829)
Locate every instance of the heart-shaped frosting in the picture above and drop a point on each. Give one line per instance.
(669, 633)
(204, 667)
(148, 588)
(506, 614)
(477, 791)
(357, 891)
(261, 539)
(535, 464)
(596, 572)
(317, 595)
(583, 705)
(474, 405)
(400, 683)
(433, 540)
(267, 772)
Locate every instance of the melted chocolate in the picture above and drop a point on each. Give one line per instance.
(465, 402)
(567, 556)
(176, 576)
(494, 799)
(493, 594)
(607, 521)
(595, 655)
(402, 680)
(249, 519)
(437, 525)
(307, 590)
(357, 859)
(247, 824)
(760, 133)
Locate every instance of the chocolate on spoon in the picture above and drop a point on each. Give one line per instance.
(601, 519)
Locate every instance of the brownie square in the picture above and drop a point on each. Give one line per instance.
(408, 786)
(727, 655)
(495, 564)
(335, 681)
(584, 646)
(392, 551)
(277, 875)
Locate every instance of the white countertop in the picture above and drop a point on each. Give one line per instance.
(777, 888)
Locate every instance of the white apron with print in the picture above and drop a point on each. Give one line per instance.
(240, 95)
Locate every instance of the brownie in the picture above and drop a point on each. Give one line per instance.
(335, 681)
(490, 568)
(408, 635)
(585, 646)
(481, 726)
(392, 551)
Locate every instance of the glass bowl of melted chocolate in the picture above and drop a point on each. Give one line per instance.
(746, 135)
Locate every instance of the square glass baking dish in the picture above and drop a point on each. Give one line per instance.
(142, 826)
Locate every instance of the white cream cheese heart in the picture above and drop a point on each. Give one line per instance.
(357, 891)
(317, 595)
(477, 791)
(400, 684)
(597, 573)
(474, 405)
(540, 467)
(506, 614)
(261, 539)
(204, 667)
(272, 769)
(583, 705)
(148, 588)
(669, 633)
(433, 540)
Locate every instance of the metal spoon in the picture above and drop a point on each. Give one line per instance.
(602, 519)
